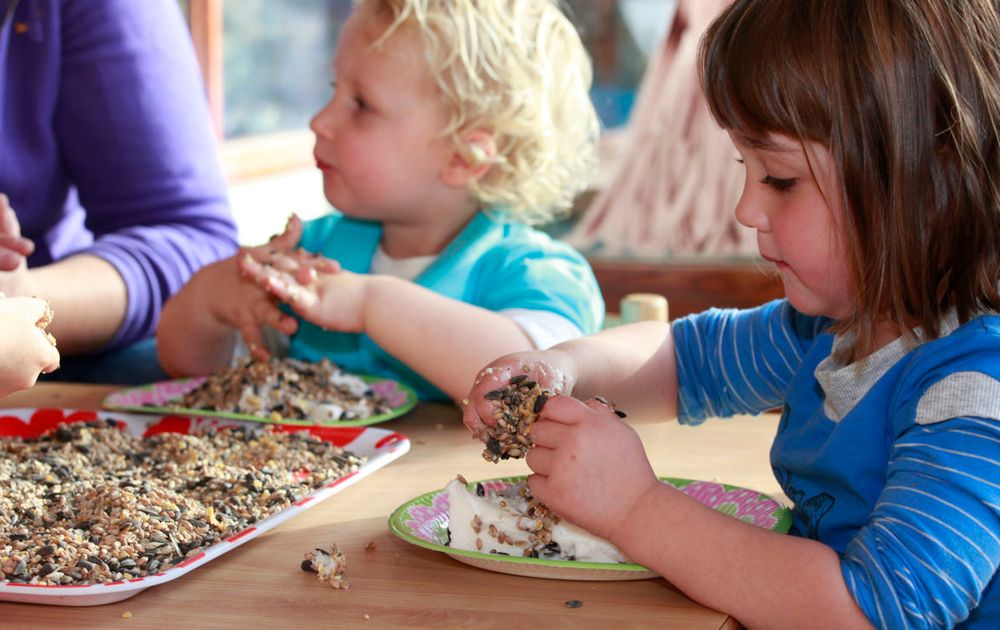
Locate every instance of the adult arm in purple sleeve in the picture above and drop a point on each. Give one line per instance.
(131, 137)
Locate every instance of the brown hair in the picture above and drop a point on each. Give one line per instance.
(906, 96)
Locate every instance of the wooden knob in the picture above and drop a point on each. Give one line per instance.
(640, 307)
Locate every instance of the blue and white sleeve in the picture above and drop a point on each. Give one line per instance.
(738, 361)
(932, 544)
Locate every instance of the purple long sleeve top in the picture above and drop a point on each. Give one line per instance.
(106, 146)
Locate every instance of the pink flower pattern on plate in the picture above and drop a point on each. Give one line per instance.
(746, 505)
(428, 522)
(390, 392)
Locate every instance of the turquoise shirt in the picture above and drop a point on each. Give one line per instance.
(493, 263)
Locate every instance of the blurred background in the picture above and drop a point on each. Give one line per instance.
(267, 69)
(266, 66)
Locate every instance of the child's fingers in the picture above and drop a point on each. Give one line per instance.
(549, 434)
(290, 237)
(287, 324)
(286, 263)
(263, 274)
(292, 293)
(564, 410)
(49, 354)
(33, 309)
(266, 313)
(327, 265)
(539, 485)
(254, 340)
(305, 275)
(310, 264)
(602, 406)
(540, 459)
(472, 420)
(278, 283)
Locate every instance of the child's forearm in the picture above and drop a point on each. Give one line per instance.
(189, 339)
(444, 340)
(762, 578)
(633, 366)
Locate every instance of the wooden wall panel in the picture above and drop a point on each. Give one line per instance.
(689, 288)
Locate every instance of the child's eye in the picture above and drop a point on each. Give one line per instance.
(333, 85)
(778, 184)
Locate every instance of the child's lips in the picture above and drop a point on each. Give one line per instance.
(323, 166)
(777, 262)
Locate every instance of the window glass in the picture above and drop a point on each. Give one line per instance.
(277, 57)
(620, 35)
(277, 62)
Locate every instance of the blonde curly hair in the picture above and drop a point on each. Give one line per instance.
(517, 69)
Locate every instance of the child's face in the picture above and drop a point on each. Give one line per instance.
(378, 140)
(791, 198)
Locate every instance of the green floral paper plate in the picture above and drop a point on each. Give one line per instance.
(423, 521)
(161, 398)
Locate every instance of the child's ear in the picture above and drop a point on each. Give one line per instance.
(472, 161)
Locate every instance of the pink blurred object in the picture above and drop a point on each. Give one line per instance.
(674, 189)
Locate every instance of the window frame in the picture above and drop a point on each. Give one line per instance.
(253, 156)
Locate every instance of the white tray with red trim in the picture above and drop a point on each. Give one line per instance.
(381, 446)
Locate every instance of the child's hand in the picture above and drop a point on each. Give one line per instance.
(237, 302)
(314, 286)
(240, 304)
(543, 367)
(25, 348)
(590, 467)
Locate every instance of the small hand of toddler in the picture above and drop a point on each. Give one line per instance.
(238, 302)
(590, 466)
(538, 366)
(26, 349)
(314, 286)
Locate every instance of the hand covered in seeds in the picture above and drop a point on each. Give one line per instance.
(507, 395)
(590, 467)
(314, 286)
(26, 349)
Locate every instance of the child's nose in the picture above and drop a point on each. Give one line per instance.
(322, 124)
(751, 212)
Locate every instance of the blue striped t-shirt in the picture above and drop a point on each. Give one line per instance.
(893, 461)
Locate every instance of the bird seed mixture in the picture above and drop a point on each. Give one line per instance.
(89, 503)
(516, 408)
(287, 389)
(328, 564)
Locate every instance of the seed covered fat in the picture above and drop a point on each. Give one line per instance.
(511, 522)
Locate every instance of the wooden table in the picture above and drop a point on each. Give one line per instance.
(397, 584)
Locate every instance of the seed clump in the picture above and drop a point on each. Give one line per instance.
(329, 564)
(516, 408)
